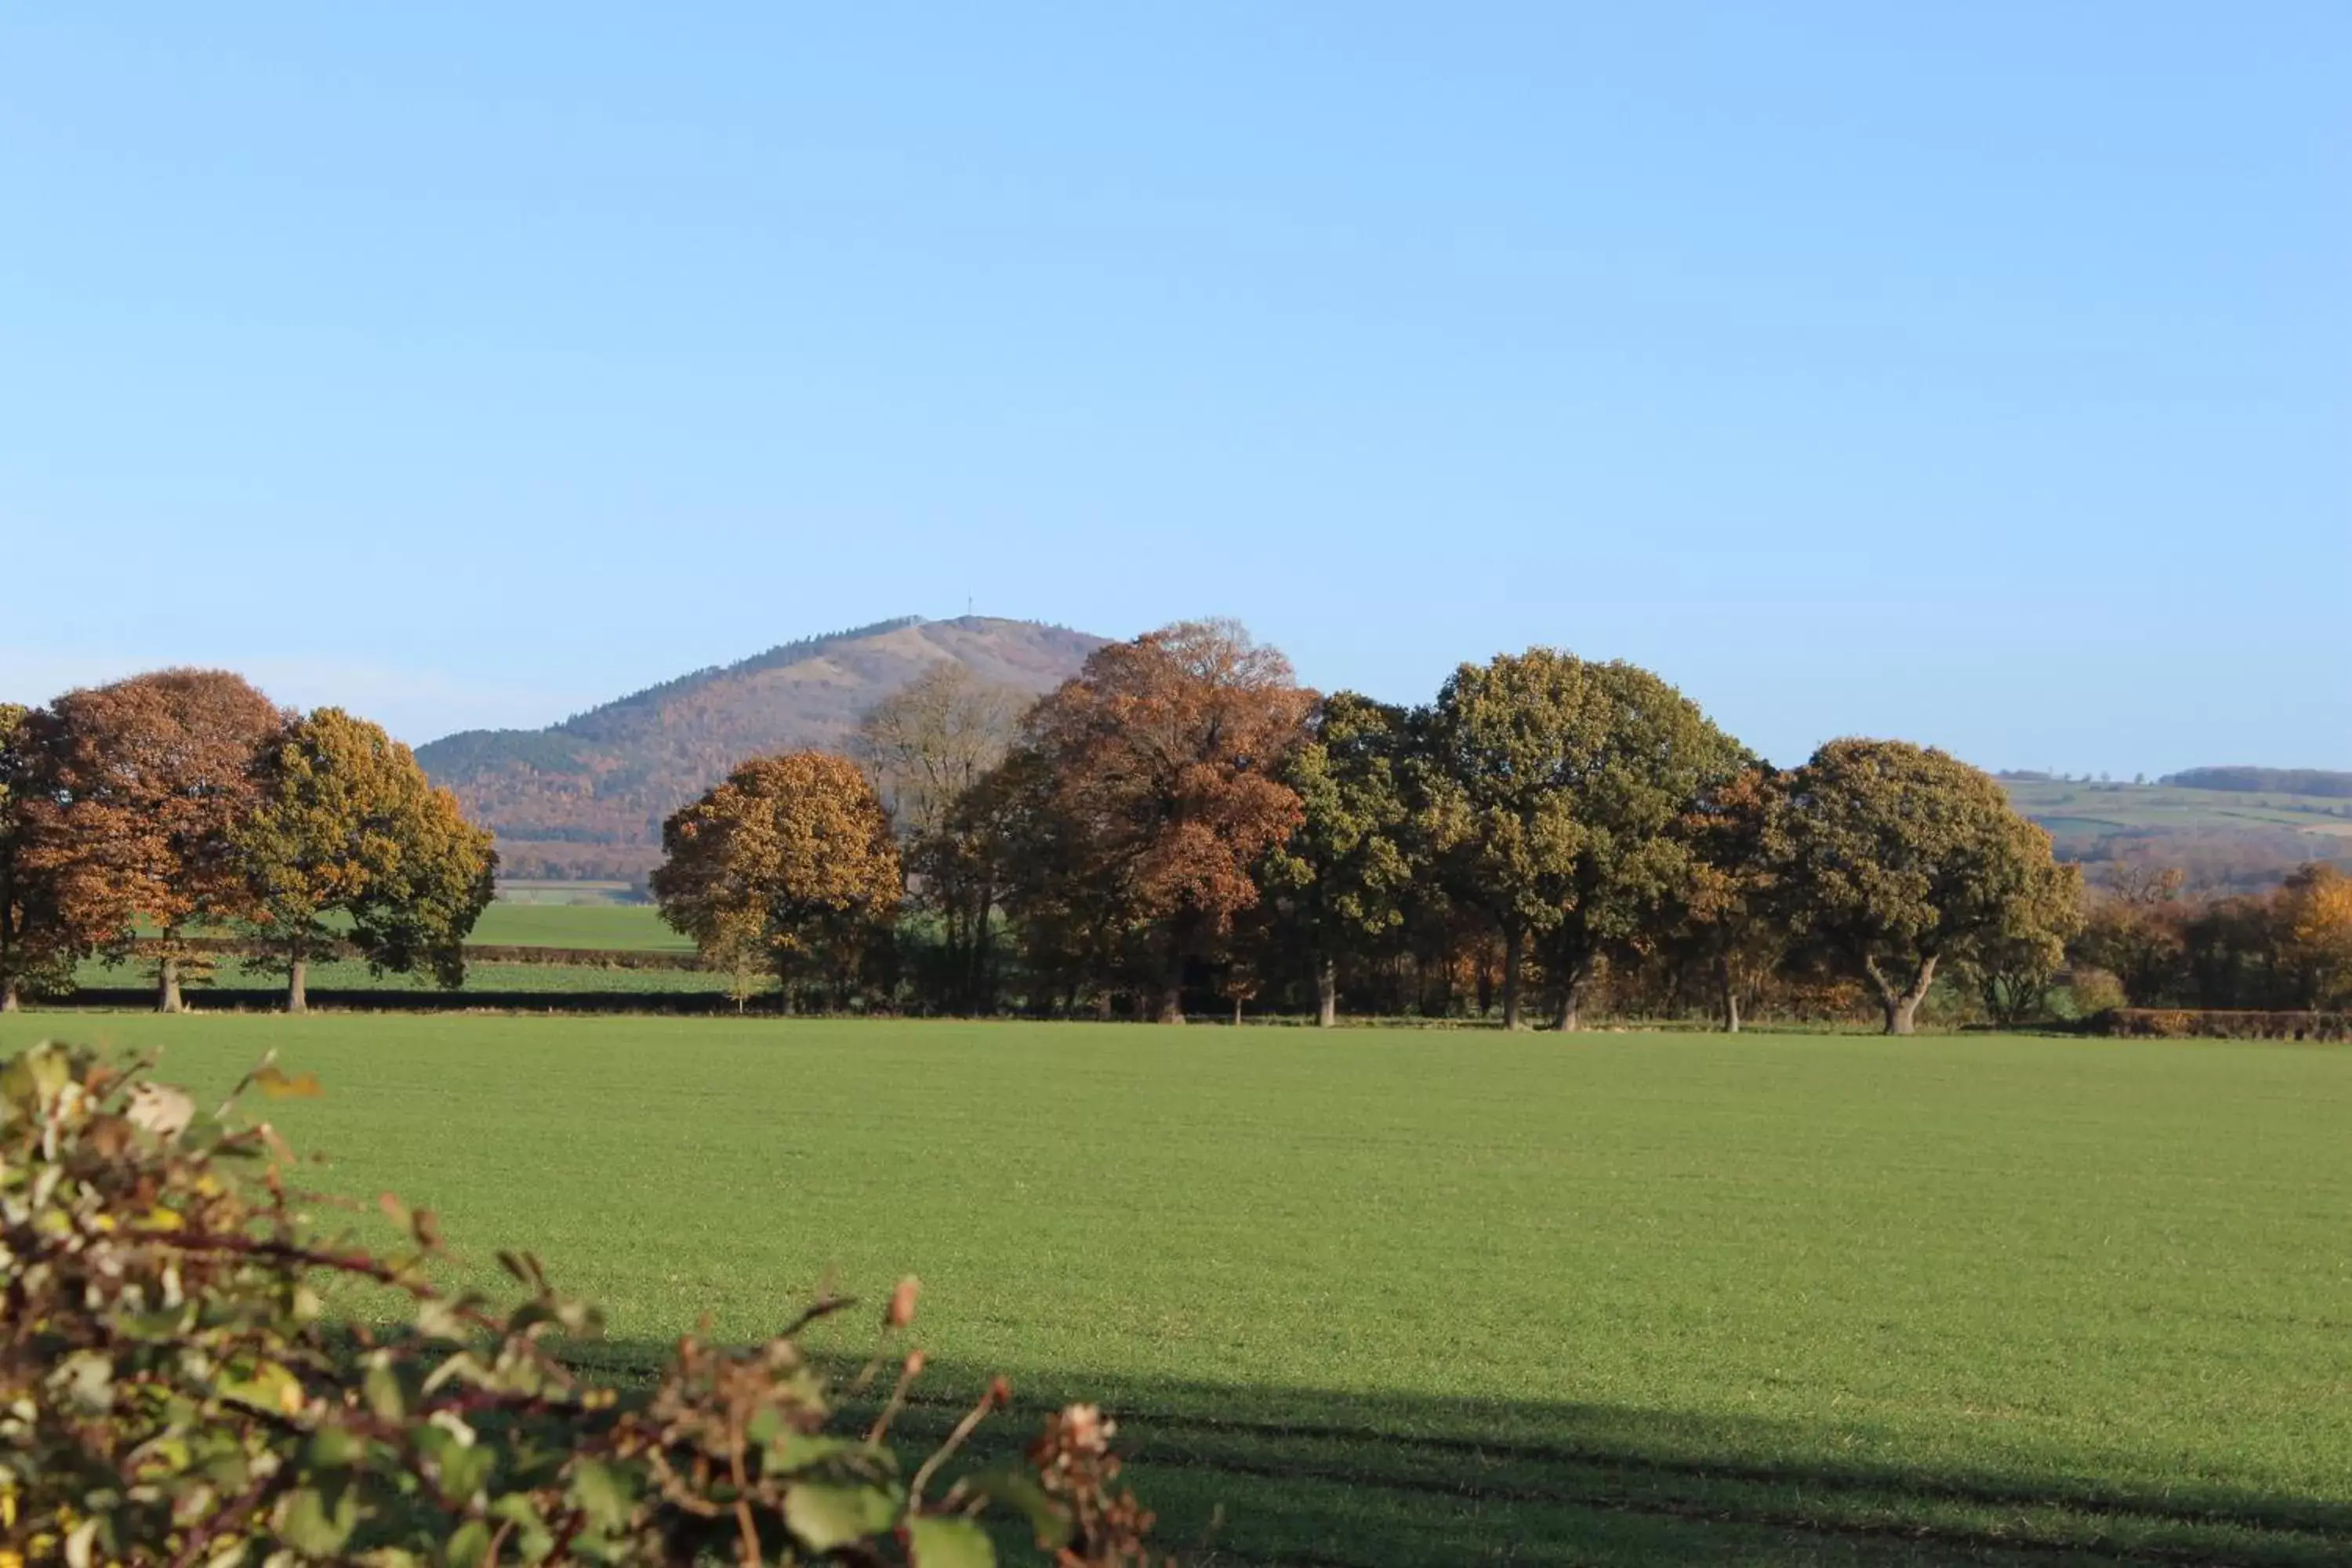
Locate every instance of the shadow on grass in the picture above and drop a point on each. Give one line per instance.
(1257, 1475)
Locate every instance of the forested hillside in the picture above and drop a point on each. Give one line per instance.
(586, 798)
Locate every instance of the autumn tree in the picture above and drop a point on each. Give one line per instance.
(1343, 877)
(1731, 919)
(928, 747)
(346, 827)
(2315, 908)
(1899, 858)
(133, 794)
(1555, 788)
(1144, 792)
(793, 855)
(2135, 927)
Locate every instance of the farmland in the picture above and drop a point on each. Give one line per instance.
(1396, 1298)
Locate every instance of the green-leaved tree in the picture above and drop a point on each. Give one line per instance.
(1898, 858)
(1555, 790)
(348, 839)
(1343, 878)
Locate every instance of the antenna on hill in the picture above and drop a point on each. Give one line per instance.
(967, 607)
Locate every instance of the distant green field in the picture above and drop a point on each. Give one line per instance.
(2093, 808)
(1402, 1298)
(635, 927)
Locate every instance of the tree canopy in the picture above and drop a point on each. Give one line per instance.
(346, 823)
(1554, 788)
(132, 796)
(1146, 790)
(791, 858)
(1899, 858)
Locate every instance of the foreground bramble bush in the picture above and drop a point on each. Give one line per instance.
(172, 1394)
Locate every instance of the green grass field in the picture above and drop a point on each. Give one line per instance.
(1390, 1297)
(2093, 809)
(519, 922)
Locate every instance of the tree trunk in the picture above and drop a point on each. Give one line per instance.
(167, 985)
(1902, 1006)
(1571, 993)
(1237, 1012)
(1326, 993)
(298, 975)
(1102, 1005)
(1172, 986)
(1512, 942)
(8, 994)
(1730, 994)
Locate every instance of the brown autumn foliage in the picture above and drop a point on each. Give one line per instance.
(790, 863)
(1143, 792)
(132, 792)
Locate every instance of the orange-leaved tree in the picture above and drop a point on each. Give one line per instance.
(133, 794)
(345, 822)
(1731, 918)
(791, 858)
(1146, 789)
(2318, 904)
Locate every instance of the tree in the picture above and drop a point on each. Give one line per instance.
(793, 854)
(33, 952)
(1345, 873)
(346, 823)
(133, 793)
(1144, 792)
(926, 747)
(1555, 789)
(1899, 858)
(1731, 918)
(2134, 928)
(2317, 906)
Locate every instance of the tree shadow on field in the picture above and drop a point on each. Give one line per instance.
(1267, 1475)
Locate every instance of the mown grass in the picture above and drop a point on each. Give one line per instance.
(630, 927)
(1390, 1298)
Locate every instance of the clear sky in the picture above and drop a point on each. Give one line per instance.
(1976, 374)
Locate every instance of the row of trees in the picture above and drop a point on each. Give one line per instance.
(1182, 817)
(158, 808)
(2289, 948)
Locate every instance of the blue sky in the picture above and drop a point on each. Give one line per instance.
(1979, 374)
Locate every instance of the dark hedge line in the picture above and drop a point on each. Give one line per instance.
(476, 953)
(2218, 1024)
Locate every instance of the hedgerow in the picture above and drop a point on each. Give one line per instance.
(174, 1392)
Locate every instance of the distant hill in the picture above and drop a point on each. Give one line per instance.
(2236, 837)
(2267, 781)
(586, 798)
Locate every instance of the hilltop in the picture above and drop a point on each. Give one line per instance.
(2233, 829)
(586, 798)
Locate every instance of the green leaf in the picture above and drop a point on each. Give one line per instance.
(1020, 1492)
(335, 1448)
(464, 1471)
(795, 1450)
(384, 1397)
(605, 1494)
(827, 1517)
(531, 1533)
(468, 1545)
(934, 1542)
(317, 1521)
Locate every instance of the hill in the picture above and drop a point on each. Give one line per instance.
(2235, 838)
(586, 798)
(2266, 781)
